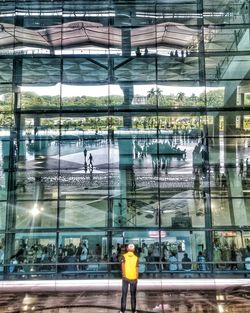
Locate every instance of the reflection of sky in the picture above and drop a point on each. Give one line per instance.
(70, 91)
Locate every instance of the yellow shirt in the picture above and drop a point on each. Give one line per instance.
(130, 266)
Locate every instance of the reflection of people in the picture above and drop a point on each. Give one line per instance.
(223, 181)
(129, 265)
(241, 166)
(1, 255)
(90, 160)
(142, 264)
(247, 258)
(85, 154)
(196, 186)
(187, 265)
(173, 262)
(83, 256)
(138, 52)
(201, 262)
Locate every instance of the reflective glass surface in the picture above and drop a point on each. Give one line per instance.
(124, 122)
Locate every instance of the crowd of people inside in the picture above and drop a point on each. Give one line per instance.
(153, 258)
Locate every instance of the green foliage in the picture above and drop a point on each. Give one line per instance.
(166, 122)
(86, 123)
(212, 98)
(30, 100)
(247, 99)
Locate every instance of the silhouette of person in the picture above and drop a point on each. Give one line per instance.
(85, 154)
(90, 160)
(223, 181)
(241, 166)
(138, 52)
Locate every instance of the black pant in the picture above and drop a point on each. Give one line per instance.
(133, 287)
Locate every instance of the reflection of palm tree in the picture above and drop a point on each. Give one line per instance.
(158, 92)
(154, 94)
(151, 93)
(180, 96)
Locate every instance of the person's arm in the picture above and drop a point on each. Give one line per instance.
(123, 266)
(137, 268)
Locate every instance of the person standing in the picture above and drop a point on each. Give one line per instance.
(241, 166)
(129, 267)
(90, 160)
(85, 151)
(186, 265)
(196, 186)
(201, 262)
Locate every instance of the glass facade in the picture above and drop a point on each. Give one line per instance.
(123, 122)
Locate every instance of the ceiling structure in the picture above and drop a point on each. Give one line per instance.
(56, 26)
(100, 5)
(63, 38)
(85, 33)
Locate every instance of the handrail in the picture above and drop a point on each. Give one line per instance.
(220, 70)
(159, 265)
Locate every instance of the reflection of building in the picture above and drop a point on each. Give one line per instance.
(53, 200)
(139, 100)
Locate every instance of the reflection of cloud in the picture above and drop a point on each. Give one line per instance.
(68, 91)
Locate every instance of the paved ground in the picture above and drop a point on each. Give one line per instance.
(108, 302)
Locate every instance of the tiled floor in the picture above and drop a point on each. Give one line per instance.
(234, 301)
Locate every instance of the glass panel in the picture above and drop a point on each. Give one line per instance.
(74, 70)
(228, 250)
(91, 97)
(139, 69)
(130, 120)
(36, 214)
(167, 96)
(2, 214)
(40, 97)
(32, 185)
(1, 252)
(89, 169)
(84, 253)
(232, 39)
(4, 157)
(6, 68)
(81, 209)
(45, 71)
(34, 255)
(161, 251)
